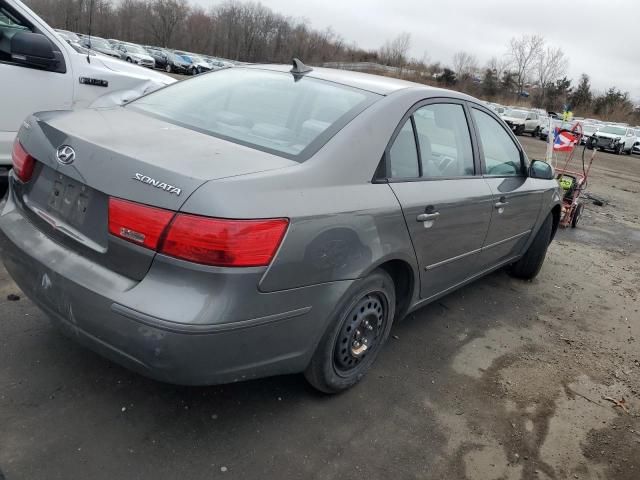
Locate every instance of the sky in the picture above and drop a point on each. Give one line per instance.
(600, 38)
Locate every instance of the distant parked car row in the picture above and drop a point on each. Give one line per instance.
(617, 137)
(171, 61)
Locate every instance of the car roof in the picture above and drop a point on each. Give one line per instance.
(364, 81)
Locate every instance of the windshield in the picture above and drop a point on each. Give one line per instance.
(135, 49)
(267, 110)
(613, 130)
(588, 129)
(69, 36)
(516, 114)
(184, 57)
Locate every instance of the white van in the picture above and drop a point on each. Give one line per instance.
(40, 71)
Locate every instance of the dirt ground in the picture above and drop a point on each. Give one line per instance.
(503, 379)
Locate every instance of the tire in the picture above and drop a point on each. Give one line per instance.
(520, 130)
(194, 72)
(620, 149)
(129, 60)
(531, 262)
(351, 343)
(576, 215)
(167, 68)
(535, 132)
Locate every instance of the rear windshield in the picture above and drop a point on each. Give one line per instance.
(266, 110)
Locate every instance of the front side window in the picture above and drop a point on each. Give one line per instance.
(501, 155)
(262, 109)
(444, 139)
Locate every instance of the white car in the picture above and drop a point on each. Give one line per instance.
(522, 121)
(618, 138)
(40, 71)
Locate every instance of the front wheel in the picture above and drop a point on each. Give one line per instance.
(535, 132)
(129, 60)
(531, 262)
(620, 149)
(520, 130)
(360, 328)
(167, 68)
(194, 71)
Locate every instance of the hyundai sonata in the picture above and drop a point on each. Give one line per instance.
(258, 220)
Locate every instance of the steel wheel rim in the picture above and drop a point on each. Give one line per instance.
(361, 333)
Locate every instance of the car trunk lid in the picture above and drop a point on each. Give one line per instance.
(126, 155)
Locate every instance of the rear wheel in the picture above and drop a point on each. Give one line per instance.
(129, 60)
(531, 262)
(576, 215)
(359, 330)
(535, 132)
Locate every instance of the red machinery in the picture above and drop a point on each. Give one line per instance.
(572, 182)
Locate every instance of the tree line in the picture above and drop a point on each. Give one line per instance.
(252, 32)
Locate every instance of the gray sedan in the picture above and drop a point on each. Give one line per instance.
(259, 221)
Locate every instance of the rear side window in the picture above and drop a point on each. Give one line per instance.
(404, 154)
(266, 110)
(501, 155)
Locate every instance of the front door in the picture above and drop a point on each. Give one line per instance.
(445, 201)
(517, 198)
(25, 90)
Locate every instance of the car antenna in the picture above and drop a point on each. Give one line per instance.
(299, 69)
(89, 33)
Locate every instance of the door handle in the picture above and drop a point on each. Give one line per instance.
(425, 217)
(501, 204)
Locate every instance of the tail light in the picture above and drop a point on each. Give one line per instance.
(137, 223)
(23, 163)
(204, 240)
(228, 243)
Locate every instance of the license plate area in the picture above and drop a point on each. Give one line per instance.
(69, 200)
(75, 211)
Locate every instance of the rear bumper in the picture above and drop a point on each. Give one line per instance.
(215, 327)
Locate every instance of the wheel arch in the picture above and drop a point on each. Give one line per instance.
(555, 212)
(405, 279)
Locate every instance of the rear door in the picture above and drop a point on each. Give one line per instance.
(432, 169)
(517, 198)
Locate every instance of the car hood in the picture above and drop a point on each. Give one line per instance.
(611, 136)
(117, 65)
(507, 118)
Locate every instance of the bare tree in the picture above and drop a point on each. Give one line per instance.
(464, 64)
(499, 65)
(524, 53)
(166, 15)
(551, 65)
(394, 52)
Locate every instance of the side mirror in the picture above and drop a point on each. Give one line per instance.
(33, 50)
(541, 170)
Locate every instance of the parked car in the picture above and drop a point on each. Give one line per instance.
(522, 121)
(159, 57)
(178, 246)
(70, 37)
(197, 64)
(556, 124)
(617, 138)
(588, 129)
(636, 145)
(99, 45)
(41, 71)
(177, 64)
(133, 53)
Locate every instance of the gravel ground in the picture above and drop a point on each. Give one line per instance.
(502, 379)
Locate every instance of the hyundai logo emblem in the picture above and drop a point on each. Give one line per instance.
(65, 154)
